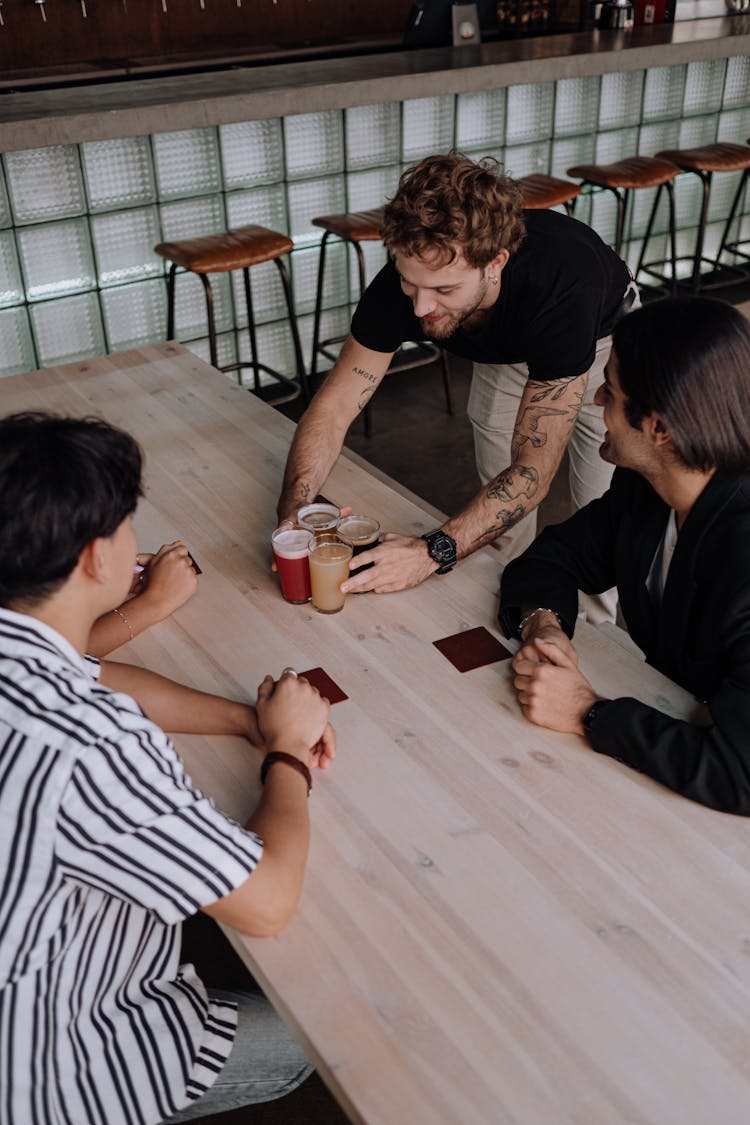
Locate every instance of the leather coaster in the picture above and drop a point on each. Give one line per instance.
(325, 685)
(472, 649)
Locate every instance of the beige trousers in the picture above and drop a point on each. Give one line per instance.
(494, 400)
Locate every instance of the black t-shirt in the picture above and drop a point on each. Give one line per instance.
(558, 293)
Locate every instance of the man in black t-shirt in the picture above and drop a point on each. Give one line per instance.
(530, 297)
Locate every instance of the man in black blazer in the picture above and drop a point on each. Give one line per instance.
(673, 534)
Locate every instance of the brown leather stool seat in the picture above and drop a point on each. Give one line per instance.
(354, 227)
(238, 249)
(721, 157)
(704, 161)
(540, 191)
(624, 177)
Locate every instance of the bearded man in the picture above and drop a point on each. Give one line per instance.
(531, 298)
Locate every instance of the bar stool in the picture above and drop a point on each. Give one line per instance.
(237, 249)
(703, 162)
(625, 177)
(540, 191)
(354, 227)
(734, 247)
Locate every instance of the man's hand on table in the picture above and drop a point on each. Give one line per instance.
(399, 562)
(550, 689)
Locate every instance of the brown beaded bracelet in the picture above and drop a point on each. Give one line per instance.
(280, 756)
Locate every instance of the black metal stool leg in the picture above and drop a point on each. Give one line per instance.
(446, 381)
(705, 178)
(648, 267)
(622, 203)
(251, 332)
(299, 358)
(318, 308)
(672, 236)
(170, 301)
(210, 315)
(366, 413)
(725, 244)
(647, 235)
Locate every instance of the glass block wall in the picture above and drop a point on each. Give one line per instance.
(78, 223)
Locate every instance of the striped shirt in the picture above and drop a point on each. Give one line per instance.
(105, 846)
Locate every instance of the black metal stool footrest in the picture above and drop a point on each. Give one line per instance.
(295, 390)
(428, 353)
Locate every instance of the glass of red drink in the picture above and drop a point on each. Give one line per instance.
(290, 552)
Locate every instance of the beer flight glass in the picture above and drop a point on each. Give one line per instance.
(313, 559)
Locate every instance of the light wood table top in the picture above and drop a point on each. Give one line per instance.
(498, 925)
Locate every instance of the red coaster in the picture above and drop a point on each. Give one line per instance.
(472, 649)
(327, 687)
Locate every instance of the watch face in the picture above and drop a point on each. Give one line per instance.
(441, 547)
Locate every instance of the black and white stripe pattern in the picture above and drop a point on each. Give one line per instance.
(105, 846)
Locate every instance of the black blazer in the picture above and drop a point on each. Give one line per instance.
(699, 636)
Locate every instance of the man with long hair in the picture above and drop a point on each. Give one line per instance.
(673, 534)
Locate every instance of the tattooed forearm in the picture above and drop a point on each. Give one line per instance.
(509, 485)
(529, 429)
(553, 391)
(506, 517)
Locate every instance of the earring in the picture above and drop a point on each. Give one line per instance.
(493, 279)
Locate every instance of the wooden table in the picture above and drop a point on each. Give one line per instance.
(498, 925)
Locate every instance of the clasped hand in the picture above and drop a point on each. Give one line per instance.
(292, 715)
(550, 689)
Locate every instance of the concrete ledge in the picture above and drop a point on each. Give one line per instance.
(104, 111)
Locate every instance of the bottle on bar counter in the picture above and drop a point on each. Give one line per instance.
(617, 14)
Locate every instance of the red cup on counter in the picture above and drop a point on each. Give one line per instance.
(290, 552)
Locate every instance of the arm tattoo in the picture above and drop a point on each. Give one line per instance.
(506, 517)
(365, 374)
(527, 429)
(304, 491)
(554, 390)
(507, 487)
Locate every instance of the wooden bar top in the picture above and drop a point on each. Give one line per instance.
(498, 925)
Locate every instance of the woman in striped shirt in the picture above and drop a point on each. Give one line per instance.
(106, 846)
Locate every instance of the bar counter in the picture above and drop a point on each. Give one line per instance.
(109, 110)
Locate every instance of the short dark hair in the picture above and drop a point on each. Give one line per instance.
(451, 200)
(63, 483)
(688, 359)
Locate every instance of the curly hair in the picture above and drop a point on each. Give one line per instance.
(450, 204)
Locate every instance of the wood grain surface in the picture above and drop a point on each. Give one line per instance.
(498, 925)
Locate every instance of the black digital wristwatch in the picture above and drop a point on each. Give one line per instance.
(442, 548)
